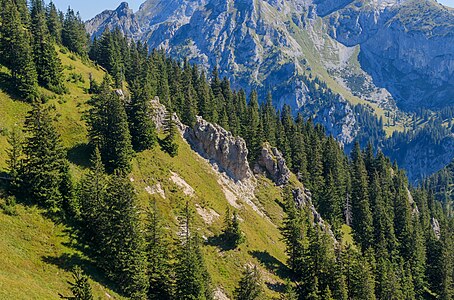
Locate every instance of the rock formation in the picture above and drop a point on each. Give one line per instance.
(273, 163)
(221, 147)
(212, 142)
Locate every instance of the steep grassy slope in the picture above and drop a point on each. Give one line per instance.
(37, 257)
(37, 253)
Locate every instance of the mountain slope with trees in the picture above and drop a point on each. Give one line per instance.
(152, 218)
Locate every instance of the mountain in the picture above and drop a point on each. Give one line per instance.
(373, 53)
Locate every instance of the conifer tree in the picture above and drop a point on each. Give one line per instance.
(108, 129)
(362, 217)
(122, 252)
(54, 23)
(44, 157)
(80, 288)
(232, 232)
(192, 278)
(250, 285)
(159, 268)
(16, 52)
(168, 144)
(141, 126)
(48, 65)
(74, 36)
(293, 232)
(15, 140)
(91, 195)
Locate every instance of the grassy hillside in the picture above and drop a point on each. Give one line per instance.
(38, 254)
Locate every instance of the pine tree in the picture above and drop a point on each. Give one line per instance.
(362, 217)
(122, 254)
(15, 140)
(74, 36)
(48, 65)
(192, 278)
(232, 232)
(168, 144)
(141, 126)
(108, 129)
(159, 268)
(80, 288)
(54, 23)
(44, 157)
(16, 52)
(250, 285)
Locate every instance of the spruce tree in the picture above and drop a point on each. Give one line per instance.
(232, 232)
(80, 288)
(250, 285)
(48, 65)
(159, 267)
(91, 195)
(108, 129)
(15, 140)
(141, 126)
(168, 144)
(293, 232)
(74, 36)
(16, 52)
(192, 278)
(54, 23)
(362, 216)
(44, 157)
(122, 254)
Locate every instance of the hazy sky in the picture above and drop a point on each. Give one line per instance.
(90, 8)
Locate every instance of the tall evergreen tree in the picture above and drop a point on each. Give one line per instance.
(122, 254)
(44, 157)
(168, 144)
(192, 278)
(250, 285)
(141, 126)
(74, 36)
(159, 268)
(362, 216)
(108, 129)
(54, 23)
(48, 65)
(16, 52)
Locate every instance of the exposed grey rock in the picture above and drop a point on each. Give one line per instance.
(302, 198)
(122, 18)
(212, 142)
(273, 163)
(435, 227)
(220, 146)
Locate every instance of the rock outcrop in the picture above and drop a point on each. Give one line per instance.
(221, 147)
(212, 142)
(273, 163)
(303, 198)
(435, 227)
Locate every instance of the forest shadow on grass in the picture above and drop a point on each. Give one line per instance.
(271, 263)
(7, 86)
(80, 155)
(220, 242)
(68, 261)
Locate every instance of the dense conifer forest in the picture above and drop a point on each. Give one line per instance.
(396, 252)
